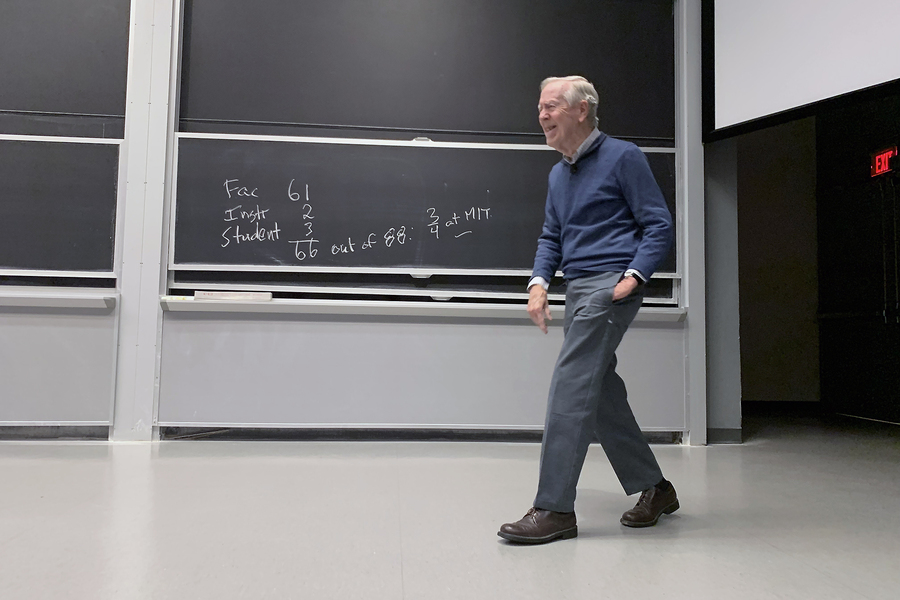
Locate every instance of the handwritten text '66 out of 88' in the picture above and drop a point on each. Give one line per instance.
(307, 247)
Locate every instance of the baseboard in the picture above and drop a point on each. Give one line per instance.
(101, 432)
(375, 435)
(54, 432)
(346, 434)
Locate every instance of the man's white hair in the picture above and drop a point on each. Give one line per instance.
(578, 89)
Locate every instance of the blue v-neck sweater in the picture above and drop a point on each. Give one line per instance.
(606, 214)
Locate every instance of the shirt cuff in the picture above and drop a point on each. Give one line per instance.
(539, 281)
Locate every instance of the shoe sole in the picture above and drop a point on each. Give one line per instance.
(565, 534)
(666, 511)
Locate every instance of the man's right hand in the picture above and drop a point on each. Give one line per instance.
(538, 306)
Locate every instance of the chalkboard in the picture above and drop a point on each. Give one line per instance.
(66, 58)
(58, 205)
(465, 65)
(351, 206)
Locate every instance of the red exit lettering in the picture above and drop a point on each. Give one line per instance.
(881, 161)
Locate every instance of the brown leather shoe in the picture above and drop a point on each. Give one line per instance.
(539, 527)
(652, 504)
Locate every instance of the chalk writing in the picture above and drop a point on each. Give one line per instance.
(342, 249)
(253, 215)
(238, 190)
(370, 241)
(476, 213)
(295, 196)
(261, 234)
(473, 213)
(434, 224)
(309, 251)
(395, 234)
(250, 223)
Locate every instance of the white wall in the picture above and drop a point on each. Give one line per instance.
(774, 55)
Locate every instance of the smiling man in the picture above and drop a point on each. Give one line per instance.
(607, 227)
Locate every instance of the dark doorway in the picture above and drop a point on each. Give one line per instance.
(859, 291)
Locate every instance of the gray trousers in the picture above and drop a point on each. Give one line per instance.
(588, 401)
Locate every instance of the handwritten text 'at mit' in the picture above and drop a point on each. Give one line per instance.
(475, 213)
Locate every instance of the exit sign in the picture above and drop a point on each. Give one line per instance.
(881, 161)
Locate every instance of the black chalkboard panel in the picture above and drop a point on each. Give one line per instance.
(58, 205)
(460, 65)
(63, 57)
(339, 206)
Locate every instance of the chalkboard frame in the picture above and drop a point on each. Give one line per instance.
(423, 143)
(186, 277)
(74, 277)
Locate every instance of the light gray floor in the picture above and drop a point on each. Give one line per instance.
(801, 511)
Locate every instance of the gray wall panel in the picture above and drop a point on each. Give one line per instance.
(56, 365)
(652, 362)
(229, 369)
(722, 290)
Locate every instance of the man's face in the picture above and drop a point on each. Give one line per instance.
(563, 125)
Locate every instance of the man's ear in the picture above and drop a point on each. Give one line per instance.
(582, 111)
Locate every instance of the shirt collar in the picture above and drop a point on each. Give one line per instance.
(593, 135)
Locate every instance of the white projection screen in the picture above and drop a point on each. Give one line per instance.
(776, 55)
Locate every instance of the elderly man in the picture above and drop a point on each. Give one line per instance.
(607, 227)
